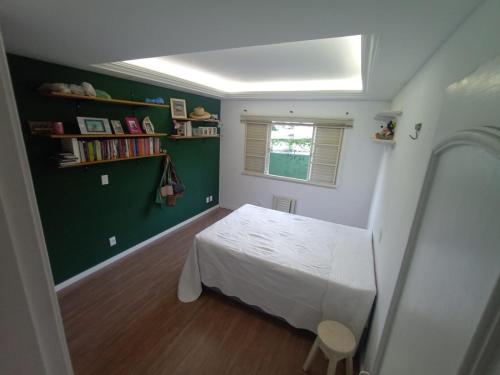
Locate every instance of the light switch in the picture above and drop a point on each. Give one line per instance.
(104, 179)
(112, 241)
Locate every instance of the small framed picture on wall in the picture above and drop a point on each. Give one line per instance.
(178, 108)
(133, 125)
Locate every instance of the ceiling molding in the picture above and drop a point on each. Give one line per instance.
(145, 75)
(126, 70)
(369, 49)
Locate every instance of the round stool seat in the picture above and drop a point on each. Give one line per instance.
(337, 342)
(336, 337)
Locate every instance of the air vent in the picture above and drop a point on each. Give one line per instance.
(284, 204)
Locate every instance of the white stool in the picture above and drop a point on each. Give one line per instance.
(337, 342)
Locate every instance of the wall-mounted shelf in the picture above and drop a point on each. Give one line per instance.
(197, 120)
(87, 163)
(389, 142)
(388, 115)
(179, 137)
(64, 136)
(103, 100)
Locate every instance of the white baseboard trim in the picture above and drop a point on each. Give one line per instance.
(124, 253)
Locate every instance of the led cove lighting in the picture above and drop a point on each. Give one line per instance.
(174, 69)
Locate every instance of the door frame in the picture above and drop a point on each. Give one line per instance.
(487, 138)
(32, 309)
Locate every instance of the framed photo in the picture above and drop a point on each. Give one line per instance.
(147, 125)
(94, 125)
(133, 125)
(117, 127)
(178, 108)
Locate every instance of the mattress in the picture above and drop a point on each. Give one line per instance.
(301, 269)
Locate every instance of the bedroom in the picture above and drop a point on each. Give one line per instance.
(97, 257)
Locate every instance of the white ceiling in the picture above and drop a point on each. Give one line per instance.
(332, 64)
(82, 33)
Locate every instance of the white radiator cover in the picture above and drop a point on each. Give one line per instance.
(284, 204)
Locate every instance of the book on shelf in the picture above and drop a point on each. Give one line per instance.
(76, 151)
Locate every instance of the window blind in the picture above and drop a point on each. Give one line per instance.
(256, 147)
(325, 155)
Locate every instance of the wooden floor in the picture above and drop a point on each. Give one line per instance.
(126, 319)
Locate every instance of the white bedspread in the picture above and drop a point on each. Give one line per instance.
(301, 269)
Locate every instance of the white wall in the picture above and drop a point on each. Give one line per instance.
(32, 337)
(348, 203)
(473, 46)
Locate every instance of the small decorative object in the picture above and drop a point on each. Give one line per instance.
(102, 94)
(41, 127)
(117, 127)
(214, 116)
(178, 108)
(155, 100)
(94, 125)
(386, 132)
(77, 89)
(133, 125)
(58, 128)
(199, 114)
(88, 89)
(62, 88)
(180, 126)
(147, 125)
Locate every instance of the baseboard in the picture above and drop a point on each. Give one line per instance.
(123, 254)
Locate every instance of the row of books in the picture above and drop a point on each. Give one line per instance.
(109, 149)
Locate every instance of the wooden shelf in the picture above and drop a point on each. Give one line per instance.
(87, 163)
(62, 136)
(193, 137)
(388, 115)
(390, 142)
(196, 120)
(103, 100)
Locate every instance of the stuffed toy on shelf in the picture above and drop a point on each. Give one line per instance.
(387, 131)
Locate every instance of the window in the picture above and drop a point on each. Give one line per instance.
(304, 151)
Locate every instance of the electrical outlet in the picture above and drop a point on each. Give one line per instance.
(104, 179)
(211, 198)
(207, 199)
(112, 241)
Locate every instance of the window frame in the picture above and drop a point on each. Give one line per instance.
(326, 123)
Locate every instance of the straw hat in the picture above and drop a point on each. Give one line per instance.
(199, 113)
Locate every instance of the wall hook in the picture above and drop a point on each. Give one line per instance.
(418, 127)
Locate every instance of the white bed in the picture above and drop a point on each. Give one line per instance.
(300, 269)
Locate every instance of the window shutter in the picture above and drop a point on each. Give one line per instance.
(325, 155)
(256, 147)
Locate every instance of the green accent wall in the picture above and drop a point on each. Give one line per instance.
(289, 165)
(78, 213)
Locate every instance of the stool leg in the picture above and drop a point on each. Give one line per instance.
(310, 356)
(332, 366)
(348, 365)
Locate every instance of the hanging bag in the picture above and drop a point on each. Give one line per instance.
(170, 184)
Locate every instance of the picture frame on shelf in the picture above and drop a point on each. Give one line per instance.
(178, 108)
(93, 125)
(180, 127)
(147, 125)
(133, 125)
(117, 127)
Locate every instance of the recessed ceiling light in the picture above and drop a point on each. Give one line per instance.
(342, 75)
